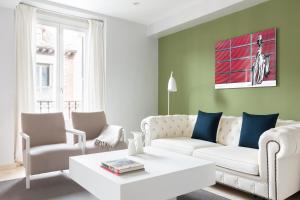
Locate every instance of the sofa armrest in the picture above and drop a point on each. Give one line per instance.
(145, 127)
(279, 152)
(81, 138)
(286, 137)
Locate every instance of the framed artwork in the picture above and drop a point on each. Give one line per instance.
(246, 61)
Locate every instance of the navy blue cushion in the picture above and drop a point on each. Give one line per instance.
(254, 126)
(206, 126)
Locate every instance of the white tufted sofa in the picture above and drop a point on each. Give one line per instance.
(272, 171)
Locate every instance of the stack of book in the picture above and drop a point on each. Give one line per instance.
(121, 166)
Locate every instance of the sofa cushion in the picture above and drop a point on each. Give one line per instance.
(52, 157)
(240, 159)
(253, 126)
(206, 126)
(182, 145)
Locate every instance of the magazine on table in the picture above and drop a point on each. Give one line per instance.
(122, 165)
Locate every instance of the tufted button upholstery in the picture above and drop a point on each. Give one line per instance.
(170, 126)
(280, 146)
(253, 186)
(229, 130)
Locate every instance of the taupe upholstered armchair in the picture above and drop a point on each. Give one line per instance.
(44, 143)
(95, 126)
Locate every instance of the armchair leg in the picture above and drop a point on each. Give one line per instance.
(27, 172)
(27, 181)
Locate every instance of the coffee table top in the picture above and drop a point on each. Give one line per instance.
(166, 175)
(156, 161)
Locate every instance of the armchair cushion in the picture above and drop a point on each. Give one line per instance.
(239, 159)
(52, 157)
(43, 129)
(92, 123)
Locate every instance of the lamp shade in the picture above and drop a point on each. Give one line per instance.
(172, 84)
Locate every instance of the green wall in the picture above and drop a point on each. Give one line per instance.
(190, 54)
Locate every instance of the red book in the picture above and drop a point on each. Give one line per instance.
(111, 171)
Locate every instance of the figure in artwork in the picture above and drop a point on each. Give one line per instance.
(261, 66)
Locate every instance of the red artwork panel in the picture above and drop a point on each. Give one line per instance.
(240, 64)
(246, 61)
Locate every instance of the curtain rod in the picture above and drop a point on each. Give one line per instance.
(59, 13)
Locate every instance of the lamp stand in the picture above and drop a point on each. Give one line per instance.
(171, 88)
(168, 102)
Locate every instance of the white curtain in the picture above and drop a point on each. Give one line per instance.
(25, 45)
(94, 71)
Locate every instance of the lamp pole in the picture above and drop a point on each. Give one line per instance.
(172, 87)
(168, 102)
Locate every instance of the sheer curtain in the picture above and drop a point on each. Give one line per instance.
(25, 45)
(94, 71)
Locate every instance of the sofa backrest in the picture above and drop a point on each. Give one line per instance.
(183, 125)
(167, 126)
(281, 122)
(230, 128)
(228, 131)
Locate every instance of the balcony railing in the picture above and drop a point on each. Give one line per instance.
(47, 106)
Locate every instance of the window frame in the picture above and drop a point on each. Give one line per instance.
(61, 23)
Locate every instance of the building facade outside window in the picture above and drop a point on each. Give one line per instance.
(60, 52)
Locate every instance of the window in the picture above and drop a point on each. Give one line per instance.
(60, 50)
(42, 71)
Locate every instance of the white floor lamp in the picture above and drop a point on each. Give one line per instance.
(171, 88)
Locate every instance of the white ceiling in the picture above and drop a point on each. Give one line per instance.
(146, 12)
(158, 15)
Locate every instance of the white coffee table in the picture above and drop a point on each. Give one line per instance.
(167, 175)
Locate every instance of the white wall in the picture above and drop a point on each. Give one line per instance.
(132, 73)
(7, 86)
(132, 77)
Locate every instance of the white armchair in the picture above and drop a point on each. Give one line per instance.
(94, 125)
(44, 143)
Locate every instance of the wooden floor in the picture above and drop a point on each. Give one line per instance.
(227, 192)
(12, 173)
